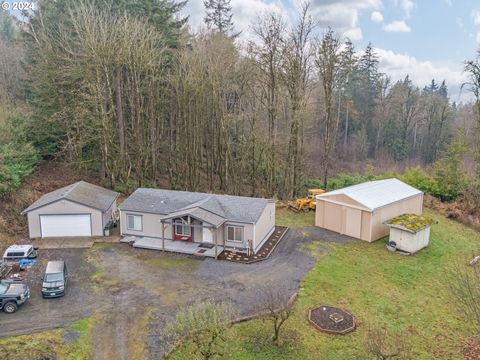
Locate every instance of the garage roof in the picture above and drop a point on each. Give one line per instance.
(80, 192)
(376, 194)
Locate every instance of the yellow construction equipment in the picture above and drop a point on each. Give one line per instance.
(305, 203)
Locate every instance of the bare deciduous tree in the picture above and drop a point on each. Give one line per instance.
(328, 63)
(276, 305)
(296, 64)
(384, 345)
(465, 284)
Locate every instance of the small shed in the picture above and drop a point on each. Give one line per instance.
(360, 211)
(409, 232)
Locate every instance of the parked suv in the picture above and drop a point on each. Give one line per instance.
(55, 279)
(19, 252)
(12, 295)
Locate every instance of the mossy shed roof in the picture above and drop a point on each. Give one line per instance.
(410, 222)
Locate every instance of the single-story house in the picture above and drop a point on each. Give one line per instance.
(233, 222)
(80, 209)
(360, 211)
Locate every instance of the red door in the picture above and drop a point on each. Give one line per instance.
(183, 232)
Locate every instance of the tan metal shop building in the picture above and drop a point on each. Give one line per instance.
(360, 210)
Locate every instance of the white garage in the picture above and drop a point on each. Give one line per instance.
(65, 225)
(80, 209)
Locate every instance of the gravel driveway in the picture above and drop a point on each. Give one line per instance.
(140, 290)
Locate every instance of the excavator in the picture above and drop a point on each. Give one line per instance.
(306, 203)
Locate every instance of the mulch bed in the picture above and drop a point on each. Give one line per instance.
(262, 254)
(331, 319)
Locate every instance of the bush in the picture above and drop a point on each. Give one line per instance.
(203, 325)
(418, 178)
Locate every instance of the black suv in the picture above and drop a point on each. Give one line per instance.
(12, 294)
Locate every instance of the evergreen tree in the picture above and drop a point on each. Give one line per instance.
(219, 15)
(7, 27)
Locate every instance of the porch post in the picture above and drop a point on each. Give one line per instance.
(163, 235)
(216, 243)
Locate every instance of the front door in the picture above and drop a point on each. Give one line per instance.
(207, 236)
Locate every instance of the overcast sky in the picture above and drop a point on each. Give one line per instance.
(423, 38)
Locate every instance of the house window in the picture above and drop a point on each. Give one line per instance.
(134, 222)
(235, 233)
(183, 228)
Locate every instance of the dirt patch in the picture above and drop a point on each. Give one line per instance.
(130, 294)
(460, 210)
(471, 348)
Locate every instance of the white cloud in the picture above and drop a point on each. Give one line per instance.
(377, 17)
(476, 17)
(406, 5)
(397, 26)
(354, 34)
(397, 66)
(245, 12)
(342, 15)
(449, 2)
(476, 21)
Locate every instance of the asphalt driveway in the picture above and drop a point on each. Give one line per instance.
(136, 291)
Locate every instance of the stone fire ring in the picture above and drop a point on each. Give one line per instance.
(331, 319)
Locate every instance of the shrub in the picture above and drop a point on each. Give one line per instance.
(204, 326)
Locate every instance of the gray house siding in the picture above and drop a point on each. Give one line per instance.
(248, 234)
(264, 226)
(62, 207)
(151, 227)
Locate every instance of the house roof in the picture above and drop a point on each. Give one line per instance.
(376, 194)
(215, 208)
(80, 192)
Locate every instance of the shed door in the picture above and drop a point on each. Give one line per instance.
(65, 225)
(353, 222)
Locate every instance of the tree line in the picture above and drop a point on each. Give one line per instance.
(127, 89)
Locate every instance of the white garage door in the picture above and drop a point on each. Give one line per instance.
(65, 225)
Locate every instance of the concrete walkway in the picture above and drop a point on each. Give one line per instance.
(74, 242)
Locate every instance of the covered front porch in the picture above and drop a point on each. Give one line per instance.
(183, 247)
(191, 231)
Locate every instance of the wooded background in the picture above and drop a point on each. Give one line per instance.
(127, 89)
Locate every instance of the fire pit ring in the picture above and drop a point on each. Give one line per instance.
(331, 319)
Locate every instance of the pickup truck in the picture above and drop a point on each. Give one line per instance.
(12, 295)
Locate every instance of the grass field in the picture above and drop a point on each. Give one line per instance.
(407, 295)
(285, 217)
(49, 344)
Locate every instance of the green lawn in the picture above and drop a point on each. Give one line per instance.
(288, 218)
(408, 295)
(49, 345)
